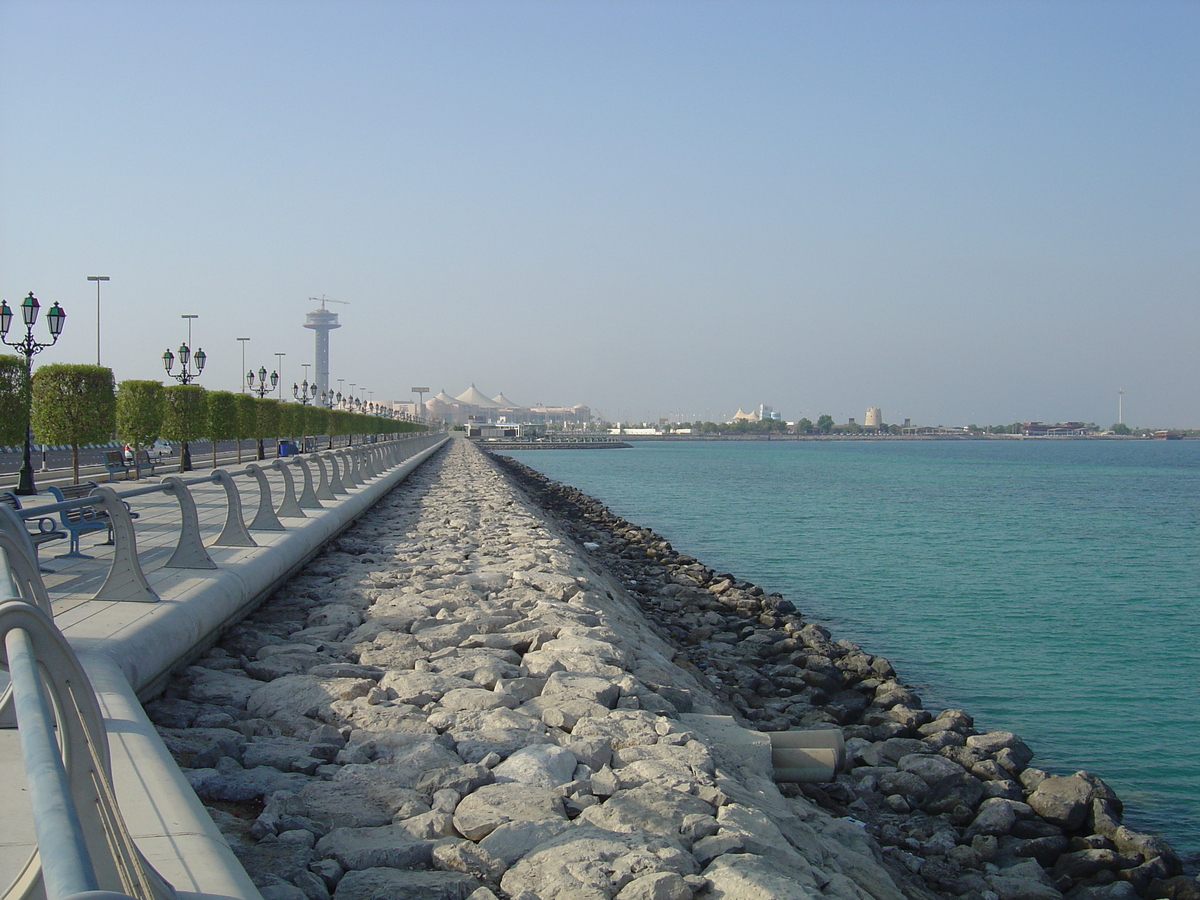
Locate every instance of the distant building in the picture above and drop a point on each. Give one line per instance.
(873, 418)
(472, 405)
(1041, 429)
(741, 416)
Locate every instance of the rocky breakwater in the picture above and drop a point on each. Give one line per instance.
(452, 702)
(963, 812)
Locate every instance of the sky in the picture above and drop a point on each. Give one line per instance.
(961, 212)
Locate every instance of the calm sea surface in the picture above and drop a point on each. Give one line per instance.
(1050, 588)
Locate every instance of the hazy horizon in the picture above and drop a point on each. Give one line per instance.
(959, 212)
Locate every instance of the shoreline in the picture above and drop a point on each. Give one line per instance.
(949, 436)
(818, 680)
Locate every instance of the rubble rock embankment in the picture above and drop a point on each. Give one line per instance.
(965, 810)
(457, 700)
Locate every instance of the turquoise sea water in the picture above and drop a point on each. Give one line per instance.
(1050, 588)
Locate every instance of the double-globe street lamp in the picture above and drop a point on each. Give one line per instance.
(29, 348)
(185, 376)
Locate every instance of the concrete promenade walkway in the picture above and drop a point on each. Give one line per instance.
(129, 648)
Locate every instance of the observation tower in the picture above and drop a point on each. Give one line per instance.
(322, 321)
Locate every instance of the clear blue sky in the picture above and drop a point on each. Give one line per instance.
(958, 211)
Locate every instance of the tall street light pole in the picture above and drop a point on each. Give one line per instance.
(97, 279)
(29, 348)
(242, 341)
(278, 366)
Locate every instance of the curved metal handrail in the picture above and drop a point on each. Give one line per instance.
(82, 842)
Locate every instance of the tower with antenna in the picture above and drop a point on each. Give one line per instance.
(322, 321)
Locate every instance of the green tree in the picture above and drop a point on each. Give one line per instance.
(185, 418)
(824, 423)
(1121, 428)
(268, 422)
(340, 423)
(223, 421)
(74, 405)
(804, 426)
(317, 419)
(247, 420)
(14, 400)
(139, 414)
(288, 420)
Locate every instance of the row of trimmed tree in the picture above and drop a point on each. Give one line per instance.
(81, 405)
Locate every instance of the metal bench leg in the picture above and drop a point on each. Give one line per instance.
(74, 552)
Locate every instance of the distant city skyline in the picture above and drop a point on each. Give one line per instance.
(959, 212)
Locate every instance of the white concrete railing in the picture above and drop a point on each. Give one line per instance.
(127, 582)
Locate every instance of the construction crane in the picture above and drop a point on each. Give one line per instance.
(323, 300)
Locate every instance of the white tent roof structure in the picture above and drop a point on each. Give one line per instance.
(504, 403)
(442, 397)
(474, 397)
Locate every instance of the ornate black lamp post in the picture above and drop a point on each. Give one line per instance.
(29, 348)
(186, 359)
(265, 386)
(185, 376)
(305, 392)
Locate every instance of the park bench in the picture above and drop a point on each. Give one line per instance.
(84, 519)
(45, 525)
(114, 461)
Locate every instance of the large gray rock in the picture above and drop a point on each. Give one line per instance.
(219, 688)
(1007, 887)
(492, 805)
(400, 884)
(953, 791)
(513, 840)
(357, 804)
(929, 767)
(585, 863)
(996, 817)
(237, 784)
(572, 686)
(419, 688)
(745, 876)
(1018, 754)
(476, 698)
(891, 751)
(1065, 802)
(657, 886)
(464, 856)
(543, 766)
(368, 848)
(298, 694)
(622, 728)
(648, 808)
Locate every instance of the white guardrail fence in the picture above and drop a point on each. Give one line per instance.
(82, 846)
